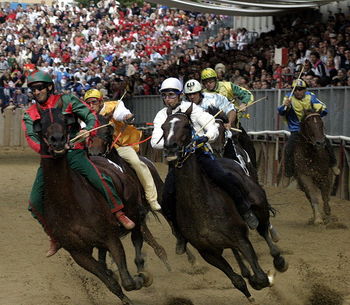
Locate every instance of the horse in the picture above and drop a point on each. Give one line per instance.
(230, 147)
(207, 216)
(78, 215)
(101, 145)
(312, 165)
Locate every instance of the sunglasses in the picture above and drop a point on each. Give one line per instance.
(38, 87)
(171, 95)
(92, 101)
(299, 88)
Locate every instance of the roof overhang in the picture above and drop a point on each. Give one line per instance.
(244, 8)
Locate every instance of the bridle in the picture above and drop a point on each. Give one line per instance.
(304, 131)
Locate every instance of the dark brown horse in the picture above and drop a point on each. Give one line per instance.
(311, 161)
(100, 145)
(78, 215)
(207, 216)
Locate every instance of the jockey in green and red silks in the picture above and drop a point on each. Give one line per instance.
(41, 85)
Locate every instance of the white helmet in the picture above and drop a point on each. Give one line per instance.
(171, 83)
(192, 86)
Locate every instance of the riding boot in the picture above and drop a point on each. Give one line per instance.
(54, 247)
(245, 210)
(124, 220)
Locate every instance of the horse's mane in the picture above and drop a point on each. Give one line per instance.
(222, 116)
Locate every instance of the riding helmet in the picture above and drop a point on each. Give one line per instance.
(208, 73)
(38, 76)
(171, 83)
(93, 93)
(192, 86)
(299, 83)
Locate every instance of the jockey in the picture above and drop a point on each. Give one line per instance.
(171, 91)
(125, 134)
(42, 87)
(194, 94)
(292, 109)
(240, 96)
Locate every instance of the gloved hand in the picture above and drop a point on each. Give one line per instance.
(129, 119)
(200, 139)
(83, 135)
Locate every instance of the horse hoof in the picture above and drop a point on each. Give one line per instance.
(251, 300)
(138, 279)
(271, 276)
(147, 278)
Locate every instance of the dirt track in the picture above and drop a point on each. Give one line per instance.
(319, 257)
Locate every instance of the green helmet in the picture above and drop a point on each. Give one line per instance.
(38, 76)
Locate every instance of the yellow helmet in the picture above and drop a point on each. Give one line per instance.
(93, 93)
(299, 83)
(208, 73)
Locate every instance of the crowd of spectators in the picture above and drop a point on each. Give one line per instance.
(118, 49)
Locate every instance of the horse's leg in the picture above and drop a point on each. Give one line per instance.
(158, 249)
(87, 262)
(314, 195)
(244, 270)
(325, 192)
(137, 240)
(102, 253)
(260, 279)
(215, 258)
(116, 249)
(278, 260)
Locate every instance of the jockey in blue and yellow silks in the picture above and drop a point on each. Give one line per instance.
(42, 86)
(293, 109)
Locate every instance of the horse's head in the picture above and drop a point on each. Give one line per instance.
(52, 129)
(177, 133)
(99, 145)
(312, 128)
(218, 145)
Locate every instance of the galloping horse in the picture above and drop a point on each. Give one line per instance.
(100, 145)
(207, 216)
(311, 160)
(78, 214)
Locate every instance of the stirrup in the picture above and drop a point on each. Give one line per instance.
(251, 220)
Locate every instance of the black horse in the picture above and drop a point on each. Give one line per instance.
(312, 165)
(77, 213)
(207, 216)
(101, 145)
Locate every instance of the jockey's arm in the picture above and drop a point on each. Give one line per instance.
(83, 112)
(157, 141)
(232, 115)
(319, 106)
(229, 108)
(201, 118)
(244, 95)
(121, 113)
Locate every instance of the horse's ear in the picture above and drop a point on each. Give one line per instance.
(69, 119)
(169, 111)
(189, 110)
(37, 126)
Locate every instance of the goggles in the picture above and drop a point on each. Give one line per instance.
(169, 95)
(38, 87)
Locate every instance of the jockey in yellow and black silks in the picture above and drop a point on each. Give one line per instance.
(126, 135)
(42, 87)
(241, 98)
(293, 109)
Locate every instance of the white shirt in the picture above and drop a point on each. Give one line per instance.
(216, 100)
(199, 118)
